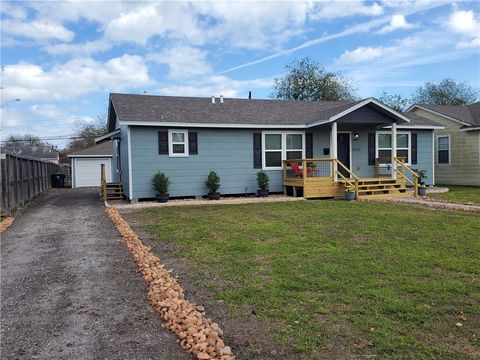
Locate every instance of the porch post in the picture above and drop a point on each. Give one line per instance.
(394, 150)
(333, 148)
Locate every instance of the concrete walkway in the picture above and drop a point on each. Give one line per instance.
(70, 289)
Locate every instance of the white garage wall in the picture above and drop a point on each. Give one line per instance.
(87, 171)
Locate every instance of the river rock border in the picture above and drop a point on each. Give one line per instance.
(6, 223)
(197, 334)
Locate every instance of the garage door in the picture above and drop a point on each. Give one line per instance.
(87, 171)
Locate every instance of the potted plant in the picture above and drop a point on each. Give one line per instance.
(161, 184)
(213, 184)
(422, 175)
(262, 182)
(350, 193)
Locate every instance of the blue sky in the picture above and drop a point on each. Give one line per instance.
(62, 59)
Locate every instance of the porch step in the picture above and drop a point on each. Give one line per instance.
(114, 191)
(374, 188)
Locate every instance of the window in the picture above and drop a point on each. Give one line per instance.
(443, 149)
(384, 146)
(278, 146)
(178, 143)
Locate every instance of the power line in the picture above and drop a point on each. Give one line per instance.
(61, 137)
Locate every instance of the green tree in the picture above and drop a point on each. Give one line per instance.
(395, 101)
(307, 80)
(446, 92)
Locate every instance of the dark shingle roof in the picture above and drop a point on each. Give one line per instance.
(419, 120)
(39, 152)
(104, 148)
(466, 113)
(233, 111)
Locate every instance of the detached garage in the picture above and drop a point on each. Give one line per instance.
(86, 165)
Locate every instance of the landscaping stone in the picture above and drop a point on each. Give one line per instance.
(197, 334)
(5, 224)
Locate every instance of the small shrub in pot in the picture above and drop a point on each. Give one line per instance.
(262, 182)
(213, 184)
(422, 175)
(350, 193)
(161, 183)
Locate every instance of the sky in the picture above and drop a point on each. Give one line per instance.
(61, 59)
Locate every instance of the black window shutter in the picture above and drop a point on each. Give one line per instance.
(192, 143)
(257, 150)
(163, 142)
(414, 148)
(309, 145)
(371, 148)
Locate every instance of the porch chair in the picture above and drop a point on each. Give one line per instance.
(298, 172)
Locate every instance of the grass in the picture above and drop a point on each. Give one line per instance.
(460, 193)
(334, 279)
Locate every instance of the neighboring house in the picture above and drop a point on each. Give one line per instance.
(86, 165)
(40, 152)
(186, 137)
(457, 146)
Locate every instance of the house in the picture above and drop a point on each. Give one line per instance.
(86, 164)
(40, 152)
(346, 143)
(457, 145)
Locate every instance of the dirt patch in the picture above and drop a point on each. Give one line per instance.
(249, 337)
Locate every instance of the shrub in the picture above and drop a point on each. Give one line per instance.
(213, 182)
(422, 175)
(161, 182)
(262, 180)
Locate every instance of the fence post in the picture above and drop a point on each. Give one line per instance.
(103, 178)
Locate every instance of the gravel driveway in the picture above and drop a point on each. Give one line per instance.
(70, 290)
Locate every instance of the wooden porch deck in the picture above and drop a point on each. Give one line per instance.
(317, 180)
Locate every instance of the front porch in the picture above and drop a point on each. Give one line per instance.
(329, 177)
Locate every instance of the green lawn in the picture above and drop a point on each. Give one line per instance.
(460, 193)
(334, 279)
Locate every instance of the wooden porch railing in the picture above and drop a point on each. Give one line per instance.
(348, 180)
(318, 168)
(401, 161)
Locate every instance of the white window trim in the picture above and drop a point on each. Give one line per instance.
(170, 143)
(284, 146)
(449, 150)
(398, 148)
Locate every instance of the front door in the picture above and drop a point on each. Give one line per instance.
(343, 152)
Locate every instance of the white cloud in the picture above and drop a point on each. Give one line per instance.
(333, 9)
(466, 24)
(74, 78)
(37, 30)
(216, 85)
(473, 43)
(361, 54)
(396, 23)
(183, 61)
(85, 48)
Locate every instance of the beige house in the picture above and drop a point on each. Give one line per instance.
(457, 146)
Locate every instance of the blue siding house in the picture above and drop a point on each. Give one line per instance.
(341, 143)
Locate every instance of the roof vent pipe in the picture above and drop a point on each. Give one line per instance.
(213, 99)
(249, 94)
(221, 99)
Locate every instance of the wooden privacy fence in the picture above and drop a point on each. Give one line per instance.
(22, 178)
